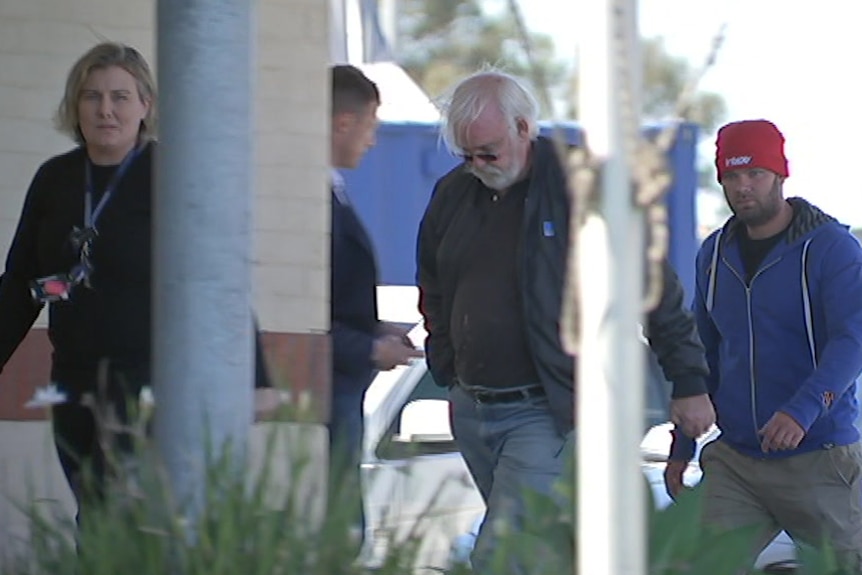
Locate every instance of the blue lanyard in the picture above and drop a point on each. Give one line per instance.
(91, 215)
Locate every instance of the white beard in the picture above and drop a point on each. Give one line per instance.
(496, 178)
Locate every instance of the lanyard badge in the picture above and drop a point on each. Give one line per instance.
(59, 287)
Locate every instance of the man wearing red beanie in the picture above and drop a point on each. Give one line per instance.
(778, 309)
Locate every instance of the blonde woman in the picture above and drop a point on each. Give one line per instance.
(83, 247)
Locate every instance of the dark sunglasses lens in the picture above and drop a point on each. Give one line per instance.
(484, 157)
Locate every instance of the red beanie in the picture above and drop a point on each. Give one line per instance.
(750, 144)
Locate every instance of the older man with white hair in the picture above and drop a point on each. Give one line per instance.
(492, 254)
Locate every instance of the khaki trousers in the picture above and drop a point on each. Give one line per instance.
(816, 497)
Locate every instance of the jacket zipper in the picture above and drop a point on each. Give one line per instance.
(751, 371)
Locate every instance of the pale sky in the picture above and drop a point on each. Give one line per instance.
(789, 61)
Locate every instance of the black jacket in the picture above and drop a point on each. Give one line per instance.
(448, 226)
(113, 320)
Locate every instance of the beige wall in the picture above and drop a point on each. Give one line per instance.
(292, 212)
(39, 41)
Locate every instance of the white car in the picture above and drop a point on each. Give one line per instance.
(415, 482)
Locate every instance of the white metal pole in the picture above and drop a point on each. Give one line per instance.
(611, 514)
(202, 345)
(355, 31)
(338, 52)
(389, 22)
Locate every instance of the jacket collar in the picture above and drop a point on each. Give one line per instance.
(806, 218)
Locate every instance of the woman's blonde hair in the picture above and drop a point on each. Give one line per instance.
(102, 56)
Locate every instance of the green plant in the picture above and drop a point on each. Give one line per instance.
(248, 524)
(241, 528)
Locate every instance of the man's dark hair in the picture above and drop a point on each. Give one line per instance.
(352, 91)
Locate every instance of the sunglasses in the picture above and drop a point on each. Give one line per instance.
(485, 157)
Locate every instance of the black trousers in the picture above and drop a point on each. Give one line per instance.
(82, 439)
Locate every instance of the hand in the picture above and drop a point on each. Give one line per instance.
(385, 328)
(673, 473)
(390, 351)
(267, 401)
(780, 433)
(693, 415)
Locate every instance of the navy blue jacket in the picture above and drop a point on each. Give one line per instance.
(788, 340)
(353, 301)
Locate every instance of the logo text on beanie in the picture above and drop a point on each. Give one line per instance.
(737, 161)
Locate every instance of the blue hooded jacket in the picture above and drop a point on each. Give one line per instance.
(790, 340)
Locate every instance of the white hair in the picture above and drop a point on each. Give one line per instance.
(468, 98)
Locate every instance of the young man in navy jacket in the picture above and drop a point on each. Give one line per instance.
(361, 344)
(778, 309)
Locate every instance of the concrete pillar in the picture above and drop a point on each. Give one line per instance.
(202, 246)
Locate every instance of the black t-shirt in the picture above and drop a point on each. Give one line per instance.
(487, 323)
(755, 251)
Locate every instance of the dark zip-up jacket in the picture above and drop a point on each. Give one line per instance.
(112, 321)
(789, 339)
(448, 225)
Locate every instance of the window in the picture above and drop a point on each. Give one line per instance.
(396, 444)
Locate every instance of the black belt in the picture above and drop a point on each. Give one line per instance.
(505, 396)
